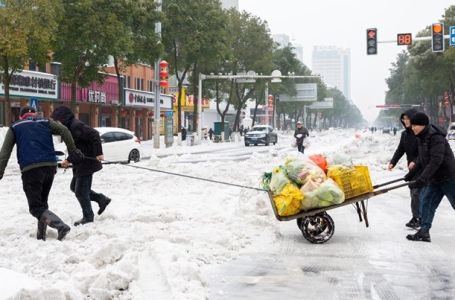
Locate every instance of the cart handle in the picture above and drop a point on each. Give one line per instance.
(387, 183)
(385, 190)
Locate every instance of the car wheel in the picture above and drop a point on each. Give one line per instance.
(134, 156)
(247, 144)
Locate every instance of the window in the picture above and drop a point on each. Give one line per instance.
(138, 84)
(122, 136)
(108, 137)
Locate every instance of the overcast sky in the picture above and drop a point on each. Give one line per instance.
(343, 23)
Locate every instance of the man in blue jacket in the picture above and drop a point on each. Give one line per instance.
(88, 141)
(38, 163)
(436, 164)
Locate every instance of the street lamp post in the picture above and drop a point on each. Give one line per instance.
(156, 122)
(275, 77)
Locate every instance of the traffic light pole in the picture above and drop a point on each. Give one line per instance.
(156, 121)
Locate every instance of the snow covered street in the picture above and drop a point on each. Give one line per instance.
(170, 237)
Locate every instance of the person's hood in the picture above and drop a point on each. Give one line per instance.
(64, 115)
(409, 113)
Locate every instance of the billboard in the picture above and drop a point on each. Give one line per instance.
(306, 92)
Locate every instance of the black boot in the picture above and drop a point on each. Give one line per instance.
(103, 201)
(41, 232)
(423, 235)
(413, 223)
(51, 219)
(83, 221)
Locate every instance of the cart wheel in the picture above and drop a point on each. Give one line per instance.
(299, 222)
(317, 229)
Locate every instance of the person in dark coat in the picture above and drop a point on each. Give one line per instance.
(88, 141)
(183, 133)
(408, 146)
(300, 134)
(210, 133)
(436, 164)
(38, 164)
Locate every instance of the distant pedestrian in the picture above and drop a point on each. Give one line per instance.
(210, 133)
(88, 141)
(38, 164)
(300, 134)
(183, 131)
(436, 164)
(394, 130)
(408, 146)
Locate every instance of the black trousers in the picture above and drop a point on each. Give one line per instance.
(300, 148)
(37, 184)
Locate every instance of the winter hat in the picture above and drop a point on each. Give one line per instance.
(63, 114)
(26, 109)
(420, 119)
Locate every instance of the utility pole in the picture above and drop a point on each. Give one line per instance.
(156, 122)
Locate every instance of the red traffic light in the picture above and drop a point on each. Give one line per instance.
(372, 41)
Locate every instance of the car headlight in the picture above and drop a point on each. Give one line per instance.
(262, 135)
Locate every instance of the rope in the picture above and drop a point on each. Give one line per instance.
(197, 178)
(181, 175)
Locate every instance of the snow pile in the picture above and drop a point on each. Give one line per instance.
(161, 233)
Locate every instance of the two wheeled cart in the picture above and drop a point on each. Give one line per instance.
(316, 224)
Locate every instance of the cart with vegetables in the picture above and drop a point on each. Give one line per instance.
(299, 191)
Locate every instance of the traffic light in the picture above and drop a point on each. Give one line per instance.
(163, 74)
(372, 41)
(437, 37)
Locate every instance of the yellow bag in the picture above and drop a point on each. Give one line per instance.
(289, 201)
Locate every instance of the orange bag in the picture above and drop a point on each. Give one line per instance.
(319, 160)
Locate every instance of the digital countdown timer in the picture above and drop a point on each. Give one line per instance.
(404, 39)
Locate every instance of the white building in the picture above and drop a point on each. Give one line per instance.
(281, 39)
(334, 65)
(227, 4)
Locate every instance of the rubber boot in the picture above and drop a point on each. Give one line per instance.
(102, 200)
(83, 221)
(41, 232)
(423, 235)
(51, 219)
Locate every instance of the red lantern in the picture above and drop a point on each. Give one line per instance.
(163, 74)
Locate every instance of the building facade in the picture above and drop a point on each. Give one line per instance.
(334, 66)
(228, 4)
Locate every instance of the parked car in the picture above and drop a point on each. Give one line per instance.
(451, 131)
(261, 134)
(119, 145)
(386, 130)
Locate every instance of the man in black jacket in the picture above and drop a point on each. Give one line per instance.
(436, 164)
(300, 134)
(38, 164)
(408, 146)
(88, 141)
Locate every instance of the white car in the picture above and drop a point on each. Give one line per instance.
(119, 145)
(451, 131)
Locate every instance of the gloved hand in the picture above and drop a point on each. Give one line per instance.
(417, 184)
(408, 177)
(76, 156)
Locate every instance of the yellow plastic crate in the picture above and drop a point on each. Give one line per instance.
(354, 181)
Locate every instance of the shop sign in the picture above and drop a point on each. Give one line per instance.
(96, 96)
(146, 99)
(32, 84)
